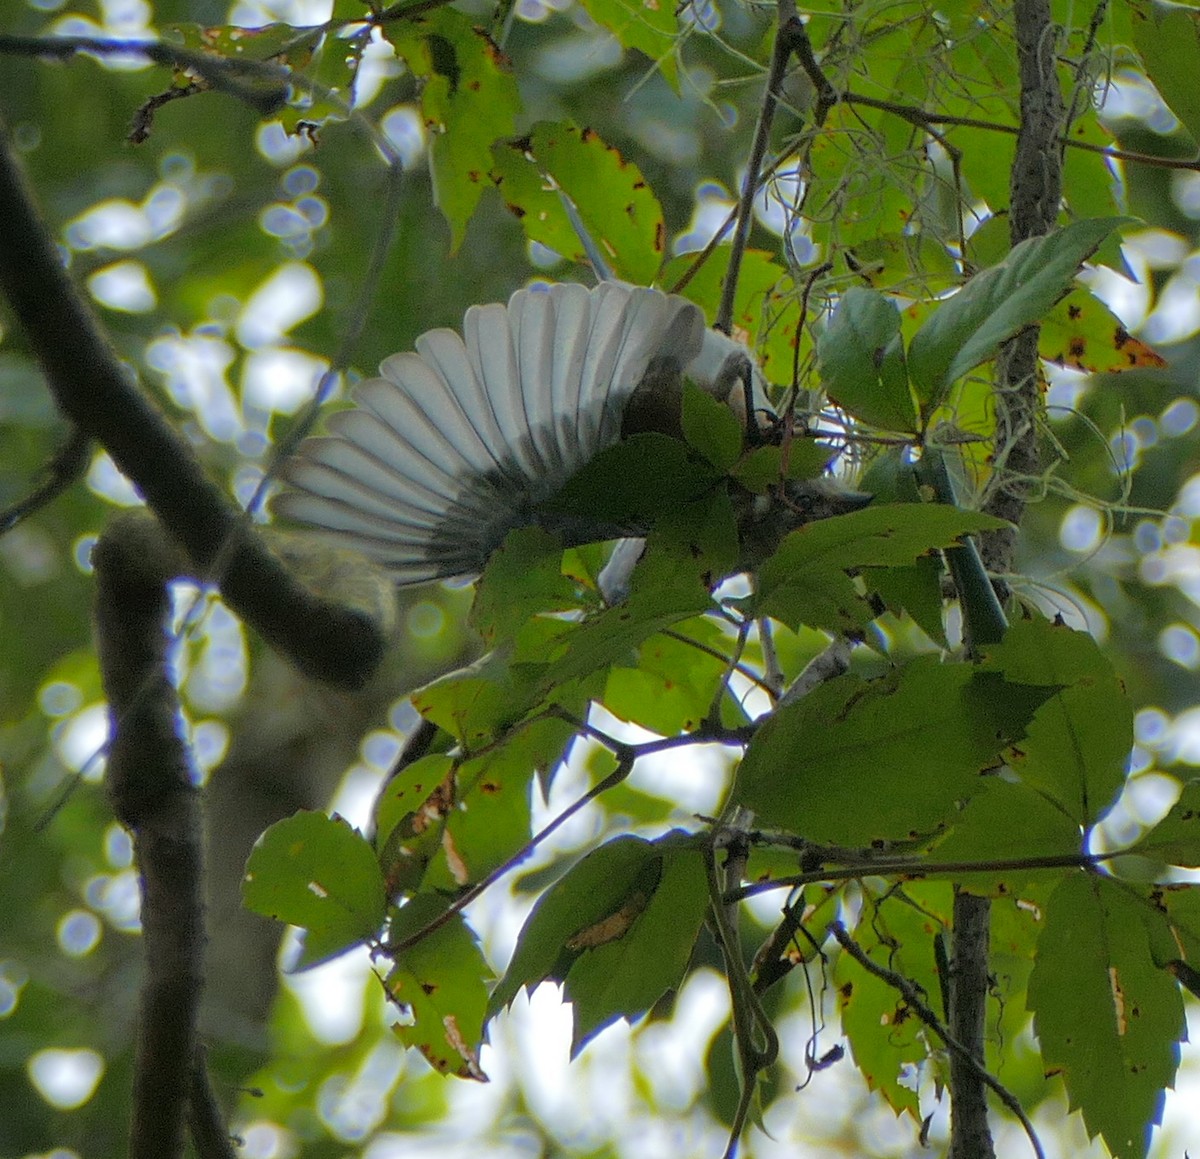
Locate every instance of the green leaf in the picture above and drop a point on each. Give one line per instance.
(317, 872)
(469, 100)
(666, 589)
(1175, 840)
(594, 889)
(523, 578)
(409, 818)
(805, 582)
(475, 704)
(624, 975)
(861, 361)
(616, 205)
(442, 980)
(647, 25)
(711, 427)
(1108, 1020)
(765, 467)
(970, 327)
(857, 761)
(675, 682)
(886, 1038)
(1167, 37)
(916, 589)
(635, 483)
(488, 821)
(1004, 821)
(1076, 748)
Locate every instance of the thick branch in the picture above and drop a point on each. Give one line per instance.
(99, 396)
(1036, 191)
(152, 793)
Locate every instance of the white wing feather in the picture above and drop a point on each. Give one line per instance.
(458, 443)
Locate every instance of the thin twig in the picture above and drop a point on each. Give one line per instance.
(623, 769)
(67, 465)
(791, 32)
(912, 997)
(914, 868)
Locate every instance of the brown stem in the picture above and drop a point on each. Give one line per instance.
(149, 785)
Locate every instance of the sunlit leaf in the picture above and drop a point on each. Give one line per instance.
(442, 983)
(469, 101)
(616, 206)
(314, 871)
(1083, 333)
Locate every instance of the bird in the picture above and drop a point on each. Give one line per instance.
(471, 434)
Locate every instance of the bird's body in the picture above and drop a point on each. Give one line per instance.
(462, 441)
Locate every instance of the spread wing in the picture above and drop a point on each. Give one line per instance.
(458, 443)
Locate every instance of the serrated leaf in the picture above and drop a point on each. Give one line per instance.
(1077, 746)
(523, 578)
(626, 973)
(469, 100)
(886, 1037)
(1083, 333)
(317, 872)
(442, 980)
(857, 761)
(1108, 1020)
(593, 889)
(490, 822)
(969, 328)
(617, 207)
(1176, 838)
(675, 682)
(805, 582)
(861, 359)
(409, 815)
(916, 589)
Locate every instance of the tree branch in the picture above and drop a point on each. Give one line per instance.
(151, 791)
(98, 395)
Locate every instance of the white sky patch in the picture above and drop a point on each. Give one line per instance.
(1082, 529)
(280, 380)
(712, 206)
(332, 994)
(81, 738)
(66, 1079)
(194, 367)
(124, 286)
(286, 298)
(277, 146)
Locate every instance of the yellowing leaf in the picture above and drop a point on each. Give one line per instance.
(1082, 333)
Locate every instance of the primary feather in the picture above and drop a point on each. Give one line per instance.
(460, 442)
